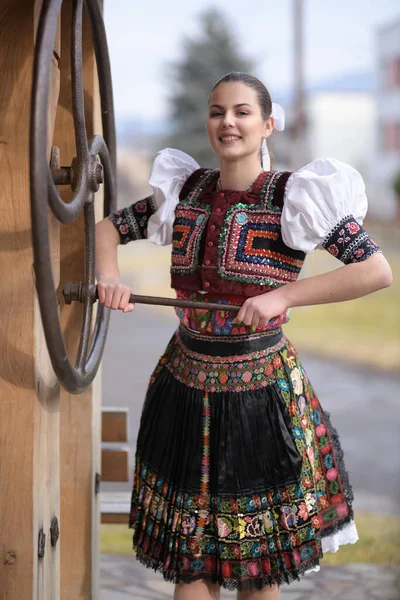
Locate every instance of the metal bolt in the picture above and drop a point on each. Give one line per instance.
(54, 531)
(97, 480)
(41, 543)
(95, 173)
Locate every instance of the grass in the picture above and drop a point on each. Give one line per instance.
(378, 544)
(115, 539)
(364, 331)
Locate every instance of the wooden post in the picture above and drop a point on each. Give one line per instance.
(45, 435)
(29, 392)
(79, 420)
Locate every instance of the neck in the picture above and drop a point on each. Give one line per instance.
(239, 175)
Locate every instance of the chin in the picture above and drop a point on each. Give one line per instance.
(230, 153)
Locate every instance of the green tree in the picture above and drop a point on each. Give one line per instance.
(205, 59)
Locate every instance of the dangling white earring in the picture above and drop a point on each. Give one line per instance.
(265, 158)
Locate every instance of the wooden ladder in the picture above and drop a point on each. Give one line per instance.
(114, 506)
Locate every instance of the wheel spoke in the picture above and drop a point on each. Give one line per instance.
(78, 101)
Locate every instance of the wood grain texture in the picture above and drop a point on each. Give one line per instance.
(77, 418)
(115, 507)
(115, 465)
(114, 426)
(114, 518)
(28, 397)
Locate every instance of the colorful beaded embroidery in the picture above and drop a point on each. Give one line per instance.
(221, 374)
(251, 248)
(131, 221)
(268, 536)
(189, 225)
(349, 242)
(219, 322)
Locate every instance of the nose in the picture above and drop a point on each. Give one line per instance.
(227, 120)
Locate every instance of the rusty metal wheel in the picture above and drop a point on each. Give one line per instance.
(85, 175)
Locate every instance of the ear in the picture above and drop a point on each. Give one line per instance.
(268, 127)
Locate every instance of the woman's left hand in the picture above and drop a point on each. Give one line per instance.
(258, 310)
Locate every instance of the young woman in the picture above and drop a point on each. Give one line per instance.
(239, 478)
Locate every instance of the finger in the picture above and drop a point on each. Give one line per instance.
(129, 308)
(116, 298)
(101, 292)
(263, 322)
(108, 296)
(124, 301)
(240, 315)
(255, 321)
(248, 317)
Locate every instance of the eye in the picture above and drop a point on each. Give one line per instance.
(215, 114)
(242, 113)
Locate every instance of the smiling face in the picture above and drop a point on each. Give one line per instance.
(235, 125)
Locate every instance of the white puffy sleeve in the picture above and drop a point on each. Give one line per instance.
(153, 217)
(171, 168)
(324, 207)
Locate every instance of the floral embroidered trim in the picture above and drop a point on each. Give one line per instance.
(131, 221)
(251, 537)
(219, 374)
(205, 469)
(349, 242)
(260, 536)
(211, 323)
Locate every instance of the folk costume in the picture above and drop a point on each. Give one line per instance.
(239, 476)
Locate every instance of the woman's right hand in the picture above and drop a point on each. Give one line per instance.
(114, 294)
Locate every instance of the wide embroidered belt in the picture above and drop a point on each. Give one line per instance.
(229, 345)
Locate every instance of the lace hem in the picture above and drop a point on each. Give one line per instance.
(229, 584)
(347, 535)
(331, 543)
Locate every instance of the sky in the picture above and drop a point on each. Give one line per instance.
(144, 37)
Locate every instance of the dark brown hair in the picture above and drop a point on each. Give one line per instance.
(263, 95)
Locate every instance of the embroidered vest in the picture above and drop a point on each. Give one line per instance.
(229, 242)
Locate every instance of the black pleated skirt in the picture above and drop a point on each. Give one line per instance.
(239, 472)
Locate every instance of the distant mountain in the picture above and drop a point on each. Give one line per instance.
(362, 81)
(146, 133)
(140, 132)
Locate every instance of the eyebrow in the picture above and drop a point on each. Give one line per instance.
(236, 105)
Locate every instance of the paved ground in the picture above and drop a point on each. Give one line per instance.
(122, 577)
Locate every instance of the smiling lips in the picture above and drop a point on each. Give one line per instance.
(225, 139)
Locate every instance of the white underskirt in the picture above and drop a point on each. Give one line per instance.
(331, 543)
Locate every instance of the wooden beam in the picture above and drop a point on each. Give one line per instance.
(115, 507)
(114, 425)
(115, 465)
(77, 451)
(29, 393)
(114, 518)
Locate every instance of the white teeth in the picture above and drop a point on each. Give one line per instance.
(229, 138)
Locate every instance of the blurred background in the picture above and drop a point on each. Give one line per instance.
(335, 68)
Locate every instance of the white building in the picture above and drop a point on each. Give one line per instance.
(386, 160)
(340, 126)
(339, 120)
